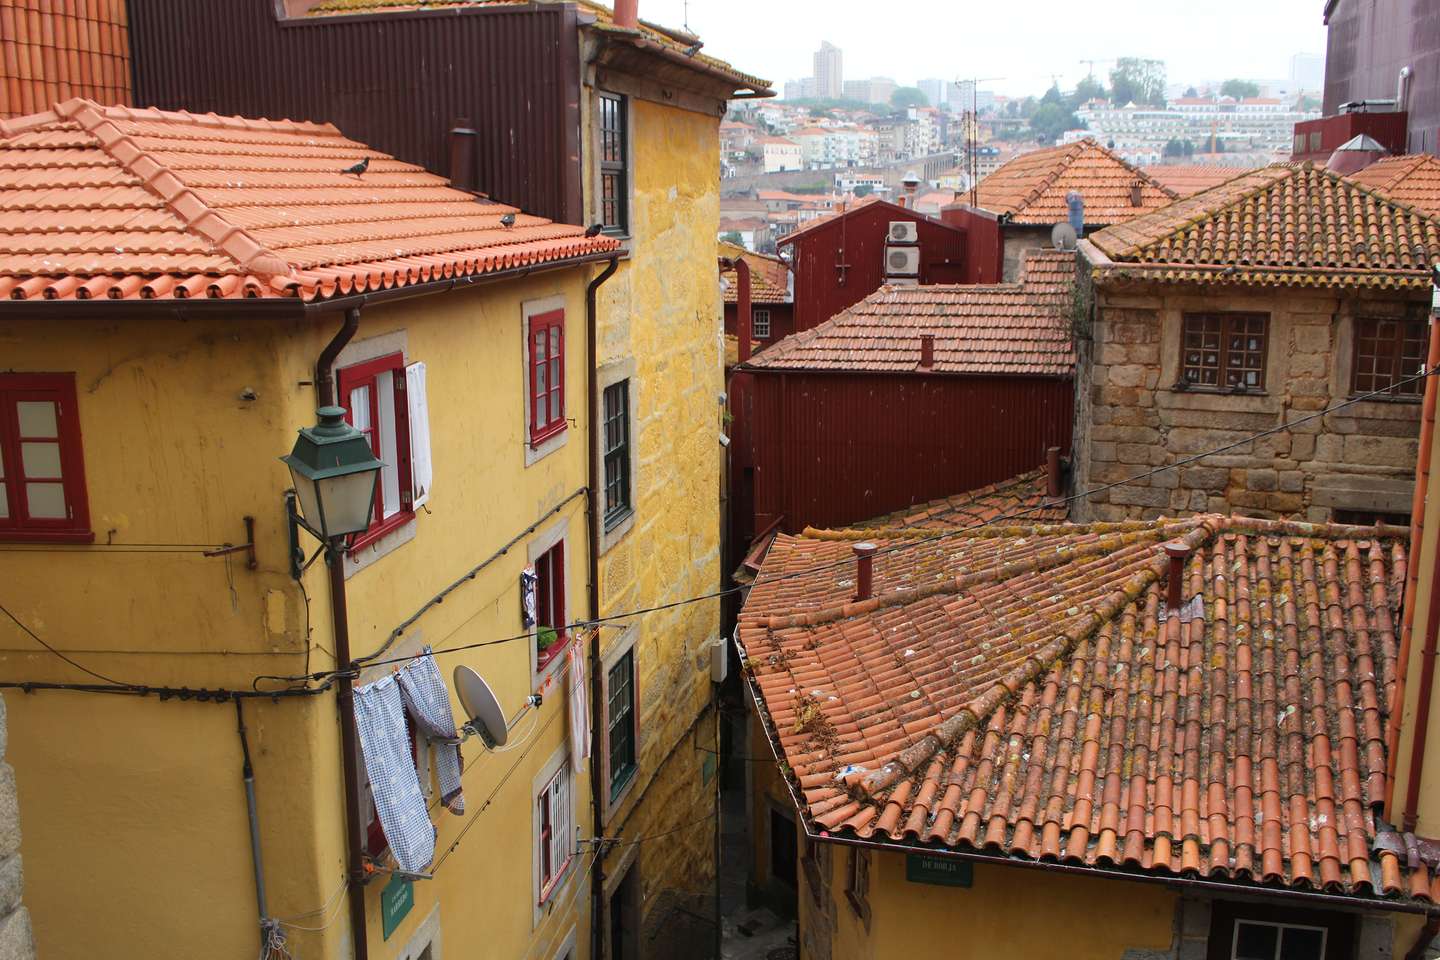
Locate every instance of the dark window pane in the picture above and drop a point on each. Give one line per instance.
(1255, 941)
(1297, 943)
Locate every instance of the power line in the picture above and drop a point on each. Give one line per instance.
(36, 637)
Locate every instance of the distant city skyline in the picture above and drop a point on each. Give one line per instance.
(778, 41)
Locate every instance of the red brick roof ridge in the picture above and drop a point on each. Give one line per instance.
(249, 254)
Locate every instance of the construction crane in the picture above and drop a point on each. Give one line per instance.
(1090, 66)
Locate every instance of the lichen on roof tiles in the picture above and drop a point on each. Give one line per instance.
(1031, 188)
(1021, 498)
(769, 276)
(1026, 691)
(124, 203)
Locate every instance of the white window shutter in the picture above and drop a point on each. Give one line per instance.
(560, 837)
(421, 468)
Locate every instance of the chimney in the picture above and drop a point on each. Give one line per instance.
(627, 14)
(1053, 487)
(462, 155)
(744, 319)
(1075, 205)
(1178, 551)
(864, 570)
(927, 350)
(1135, 198)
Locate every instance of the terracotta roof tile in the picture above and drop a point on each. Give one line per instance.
(1031, 188)
(1413, 179)
(116, 202)
(1025, 691)
(1286, 224)
(769, 276)
(1004, 329)
(1188, 179)
(53, 51)
(1022, 497)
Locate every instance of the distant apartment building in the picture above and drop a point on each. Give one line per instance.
(779, 154)
(937, 92)
(875, 90)
(829, 72)
(964, 96)
(803, 89)
(1251, 131)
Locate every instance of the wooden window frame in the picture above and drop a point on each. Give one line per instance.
(755, 316)
(18, 525)
(367, 373)
(619, 779)
(552, 361)
(612, 127)
(552, 875)
(615, 457)
(550, 603)
(857, 884)
(1223, 365)
(1394, 356)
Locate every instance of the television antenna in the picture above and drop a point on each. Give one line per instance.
(481, 707)
(972, 131)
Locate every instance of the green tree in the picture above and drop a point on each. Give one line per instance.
(1239, 89)
(1191, 92)
(730, 236)
(1179, 148)
(1087, 90)
(1137, 80)
(1052, 95)
(904, 97)
(1051, 120)
(863, 190)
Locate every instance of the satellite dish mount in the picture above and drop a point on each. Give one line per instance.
(482, 707)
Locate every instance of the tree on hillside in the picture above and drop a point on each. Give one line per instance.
(1239, 89)
(1191, 92)
(1052, 95)
(1179, 148)
(1137, 80)
(731, 237)
(863, 190)
(904, 97)
(1051, 120)
(1087, 90)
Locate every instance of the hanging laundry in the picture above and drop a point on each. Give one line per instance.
(579, 708)
(529, 580)
(428, 700)
(394, 784)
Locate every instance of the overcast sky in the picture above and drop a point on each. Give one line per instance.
(1023, 42)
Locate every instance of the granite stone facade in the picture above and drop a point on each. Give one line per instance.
(16, 942)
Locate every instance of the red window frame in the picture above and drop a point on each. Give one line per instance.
(18, 525)
(545, 352)
(368, 374)
(550, 602)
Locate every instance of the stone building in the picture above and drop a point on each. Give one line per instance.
(16, 941)
(1256, 303)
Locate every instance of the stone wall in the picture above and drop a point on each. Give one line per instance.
(1131, 419)
(15, 939)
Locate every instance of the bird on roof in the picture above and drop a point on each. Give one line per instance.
(507, 221)
(593, 230)
(358, 168)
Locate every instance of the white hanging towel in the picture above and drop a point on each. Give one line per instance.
(428, 700)
(394, 784)
(579, 708)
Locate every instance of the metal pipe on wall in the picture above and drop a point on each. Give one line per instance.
(247, 774)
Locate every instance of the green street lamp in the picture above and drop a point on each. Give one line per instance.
(334, 472)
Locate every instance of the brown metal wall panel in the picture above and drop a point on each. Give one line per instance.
(394, 81)
(831, 450)
(1369, 41)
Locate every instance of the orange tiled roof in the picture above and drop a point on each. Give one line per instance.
(673, 40)
(136, 204)
(1188, 179)
(51, 51)
(1286, 224)
(1006, 329)
(1031, 188)
(1019, 499)
(769, 276)
(1017, 691)
(1412, 179)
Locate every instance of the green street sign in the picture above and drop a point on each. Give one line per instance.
(395, 902)
(940, 871)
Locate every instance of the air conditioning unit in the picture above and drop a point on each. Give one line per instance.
(902, 261)
(903, 231)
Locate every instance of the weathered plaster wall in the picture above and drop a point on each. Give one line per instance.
(1362, 458)
(16, 940)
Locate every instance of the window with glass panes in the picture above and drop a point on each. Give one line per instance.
(555, 835)
(547, 375)
(1257, 940)
(550, 633)
(373, 395)
(42, 467)
(614, 163)
(620, 714)
(760, 324)
(1224, 351)
(616, 404)
(1388, 351)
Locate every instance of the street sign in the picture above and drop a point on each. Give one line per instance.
(395, 902)
(940, 871)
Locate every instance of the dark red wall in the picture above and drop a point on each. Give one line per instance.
(1369, 41)
(782, 321)
(984, 242)
(857, 239)
(836, 449)
(1387, 128)
(395, 81)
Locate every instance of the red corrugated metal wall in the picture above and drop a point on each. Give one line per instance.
(395, 81)
(841, 261)
(835, 449)
(1369, 41)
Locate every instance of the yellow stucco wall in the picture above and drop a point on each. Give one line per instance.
(134, 822)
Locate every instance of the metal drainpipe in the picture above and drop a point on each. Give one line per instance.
(345, 688)
(592, 522)
(247, 774)
(1412, 583)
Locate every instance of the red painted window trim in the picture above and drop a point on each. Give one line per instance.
(367, 374)
(550, 602)
(57, 388)
(555, 385)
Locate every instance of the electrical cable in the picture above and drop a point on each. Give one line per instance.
(36, 637)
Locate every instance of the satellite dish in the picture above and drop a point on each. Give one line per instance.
(481, 706)
(1062, 236)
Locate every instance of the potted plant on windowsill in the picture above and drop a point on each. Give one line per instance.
(545, 638)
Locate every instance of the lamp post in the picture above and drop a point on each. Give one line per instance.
(335, 472)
